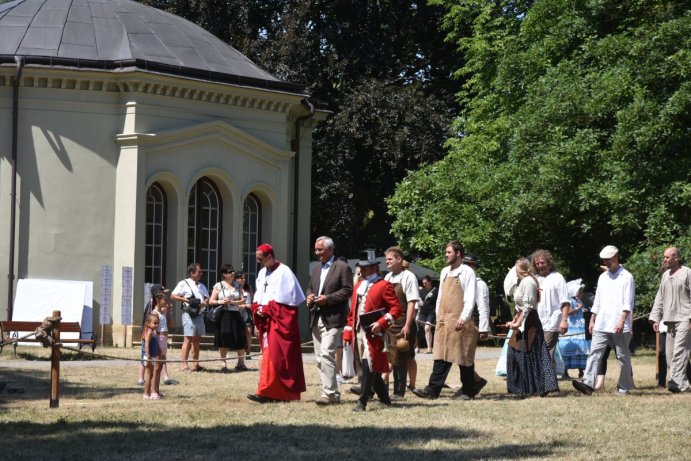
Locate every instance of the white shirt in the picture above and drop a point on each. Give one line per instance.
(466, 276)
(615, 294)
(408, 282)
(162, 322)
(325, 270)
(553, 293)
(188, 288)
(482, 301)
(525, 297)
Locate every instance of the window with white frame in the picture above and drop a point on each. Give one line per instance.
(251, 236)
(204, 229)
(156, 207)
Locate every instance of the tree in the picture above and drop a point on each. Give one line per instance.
(574, 134)
(385, 71)
(382, 67)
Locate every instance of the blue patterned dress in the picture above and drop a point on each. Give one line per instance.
(574, 347)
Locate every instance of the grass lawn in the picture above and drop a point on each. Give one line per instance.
(207, 416)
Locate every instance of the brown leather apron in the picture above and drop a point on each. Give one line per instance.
(451, 345)
(529, 332)
(397, 357)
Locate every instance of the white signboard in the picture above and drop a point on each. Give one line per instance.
(126, 305)
(37, 299)
(106, 293)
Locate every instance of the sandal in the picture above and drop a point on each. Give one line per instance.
(198, 369)
(146, 397)
(186, 370)
(155, 396)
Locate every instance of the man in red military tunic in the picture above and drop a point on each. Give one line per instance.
(275, 312)
(372, 297)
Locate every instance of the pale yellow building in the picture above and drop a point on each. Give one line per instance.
(142, 141)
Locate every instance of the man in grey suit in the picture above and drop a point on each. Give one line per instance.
(328, 293)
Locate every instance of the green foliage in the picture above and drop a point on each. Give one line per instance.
(574, 134)
(381, 132)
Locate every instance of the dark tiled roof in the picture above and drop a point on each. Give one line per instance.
(111, 34)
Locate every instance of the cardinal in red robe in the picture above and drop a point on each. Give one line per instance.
(275, 311)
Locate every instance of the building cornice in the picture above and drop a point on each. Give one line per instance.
(147, 83)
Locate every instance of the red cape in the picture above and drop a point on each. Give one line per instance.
(280, 321)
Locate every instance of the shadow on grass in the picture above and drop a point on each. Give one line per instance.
(103, 440)
(34, 384)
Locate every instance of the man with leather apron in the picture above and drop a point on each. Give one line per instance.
(456, 333)
(404, 330)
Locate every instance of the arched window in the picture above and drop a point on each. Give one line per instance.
(251, 236)
(156, 207)
(204, 229)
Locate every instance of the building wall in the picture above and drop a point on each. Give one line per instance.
(90, 145)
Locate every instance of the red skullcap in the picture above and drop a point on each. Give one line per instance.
(266, 249)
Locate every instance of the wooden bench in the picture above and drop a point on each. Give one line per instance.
(16, 329)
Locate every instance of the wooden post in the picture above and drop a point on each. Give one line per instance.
(55, 365)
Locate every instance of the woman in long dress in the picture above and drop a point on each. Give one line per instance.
(529, 366)
(230, 330)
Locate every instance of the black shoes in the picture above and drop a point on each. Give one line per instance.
(424, 394)
(359, 408)
(259, 399)
(479, 386)
(582, 387)
(357, 390)
(461, 396)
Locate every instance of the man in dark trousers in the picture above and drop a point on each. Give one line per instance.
(456, 333)
(330, 288)
(374, 308)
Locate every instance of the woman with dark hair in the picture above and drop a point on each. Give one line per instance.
(230, 330)
(528, 364)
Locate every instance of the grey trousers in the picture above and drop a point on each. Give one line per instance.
(551, 341)
(325, 344)
(620, 342)
(677, 347)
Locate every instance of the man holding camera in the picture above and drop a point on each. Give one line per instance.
(194, 296)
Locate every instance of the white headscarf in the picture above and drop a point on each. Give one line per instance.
(510, 282)
(573, 286)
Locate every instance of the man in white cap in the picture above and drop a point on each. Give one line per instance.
(611, 322)
(673, 308)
